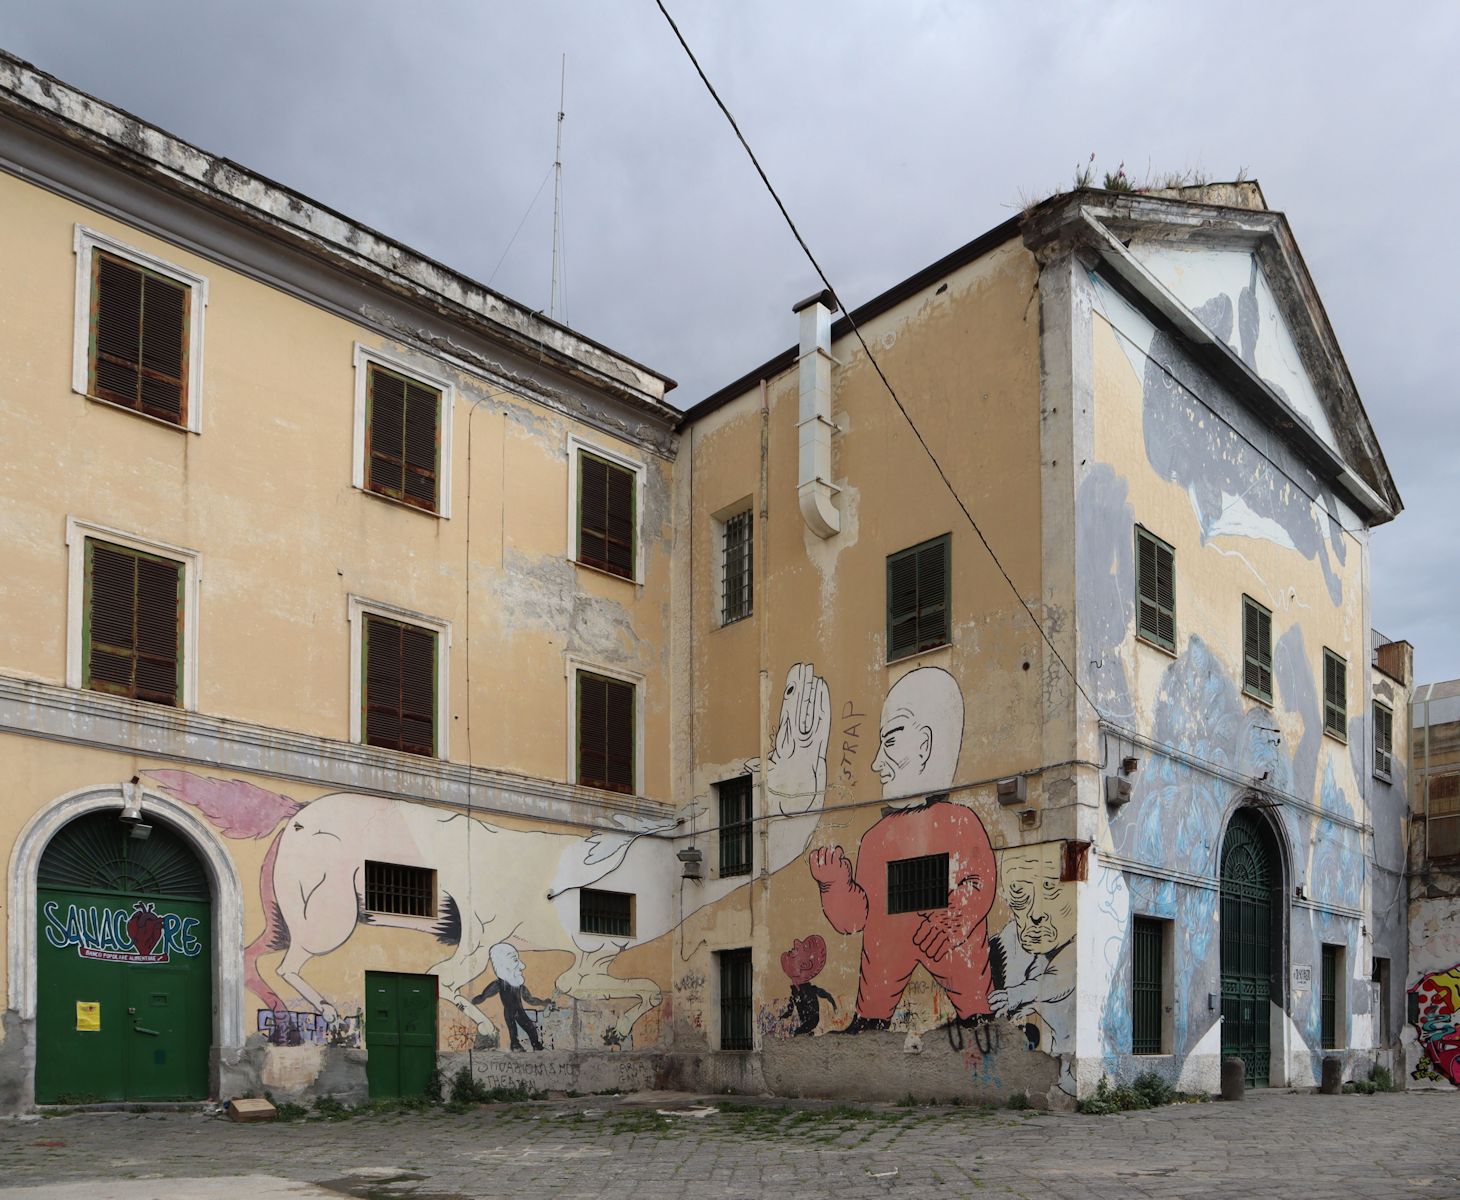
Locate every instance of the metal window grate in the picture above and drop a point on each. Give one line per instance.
(1155, 589)
(405, 891)
(917, 884)
(735, 988)
(918, 598)
(735, 826)
(1383, 740)
(1331, 958)
(1335, 695)
(1442, 816)
(1147, 974)
(738, 575)
(609, 913)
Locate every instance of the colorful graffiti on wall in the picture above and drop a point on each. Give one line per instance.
(312, 883)
(1437, 1022)
(921, 733)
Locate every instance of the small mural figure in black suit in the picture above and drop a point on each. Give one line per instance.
(511, 986)
(802, 963)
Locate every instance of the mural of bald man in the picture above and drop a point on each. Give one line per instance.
(921, 733)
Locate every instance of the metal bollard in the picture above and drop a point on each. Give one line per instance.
(1332, 1084)
(1234, 1078)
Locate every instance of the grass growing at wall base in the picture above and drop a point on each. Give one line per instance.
(1146, 1090)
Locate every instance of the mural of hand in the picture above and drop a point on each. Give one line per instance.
(830, 867)
(796, 765)
(931, 939)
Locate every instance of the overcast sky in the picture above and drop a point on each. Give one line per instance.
(895, 132)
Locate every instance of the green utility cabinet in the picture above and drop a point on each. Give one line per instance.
(400, 1033)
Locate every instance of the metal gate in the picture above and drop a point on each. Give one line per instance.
(1247, 953)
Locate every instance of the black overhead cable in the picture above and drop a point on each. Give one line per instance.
(876, 366)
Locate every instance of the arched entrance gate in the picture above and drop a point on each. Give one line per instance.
(123, 964)
(1252, 944)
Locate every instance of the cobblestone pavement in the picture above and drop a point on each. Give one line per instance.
(1273, 1144)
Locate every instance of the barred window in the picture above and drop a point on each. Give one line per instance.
(405, 891)
(738, 568)
(735, 825)
(1148, 971)
(917, 884)
(735, 998)
(610, 913)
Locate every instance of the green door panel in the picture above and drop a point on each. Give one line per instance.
(400, 1033)
(1247, 955)
(121, 926)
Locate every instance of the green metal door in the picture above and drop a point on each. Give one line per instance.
(1247, 960)
(400, 1033)
(124, 977)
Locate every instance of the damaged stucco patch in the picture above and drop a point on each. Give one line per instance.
(541, 592)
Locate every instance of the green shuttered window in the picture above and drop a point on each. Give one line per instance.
(606, 515)
(736, 1031)
(735, 825)
(138, 344)
(133, 624)
(1335, 695)
(400, 686)
(1383, 740)
(606, 730)
(402, 437)
(918, 598)
(1155, 589)
(1148, 970)
(1256, 649)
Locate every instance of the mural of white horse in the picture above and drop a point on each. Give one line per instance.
(495, 884)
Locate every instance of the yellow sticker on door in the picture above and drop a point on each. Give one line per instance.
(88, 1016)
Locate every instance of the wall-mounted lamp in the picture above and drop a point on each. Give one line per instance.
(694, 862)
(1129, 764)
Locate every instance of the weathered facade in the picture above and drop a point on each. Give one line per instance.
(731, 754)
(1432, 1039)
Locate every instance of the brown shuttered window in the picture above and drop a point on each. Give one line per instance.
(138, 346)
(918, 599)
(402, 437)
(606, 723)
(1256, 649)
(400, 686)
(1155, 589)
(606, 508)
(1335, 695)
(134, 622)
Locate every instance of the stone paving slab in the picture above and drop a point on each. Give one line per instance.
(1274, 1144)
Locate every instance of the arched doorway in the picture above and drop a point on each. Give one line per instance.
(123, 964)
(1251, 942)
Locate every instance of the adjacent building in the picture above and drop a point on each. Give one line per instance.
(391, 673)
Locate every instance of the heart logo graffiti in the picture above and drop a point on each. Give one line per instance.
(144, 927)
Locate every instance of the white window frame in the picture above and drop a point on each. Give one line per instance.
(718, 521)
(359, 607)
(77, 531)
(364, 355)
(86, 242)
(579, 445)
(572, 664)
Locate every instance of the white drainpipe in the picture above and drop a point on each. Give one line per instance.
(814, 488)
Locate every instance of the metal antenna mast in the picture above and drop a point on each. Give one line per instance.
(558, 192)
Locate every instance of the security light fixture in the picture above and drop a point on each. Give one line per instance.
(1014, 790)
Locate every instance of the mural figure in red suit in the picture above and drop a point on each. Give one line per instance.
(920, 737)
